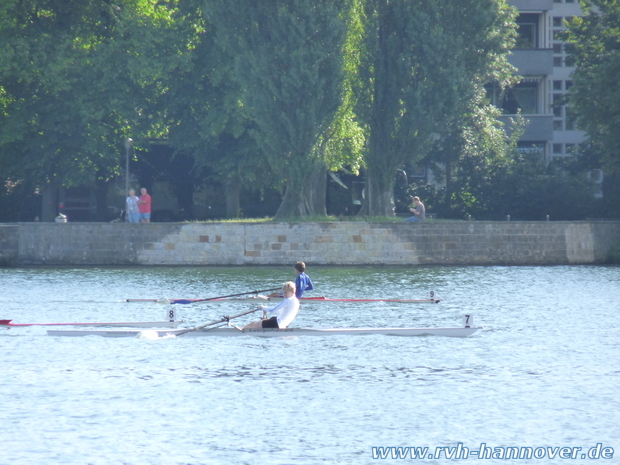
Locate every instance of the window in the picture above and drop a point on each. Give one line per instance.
(557, 125)
(557, 149)
(527, 31)
(557, 85)
(531, 148)
(557, 48)
(557, 62)
(523, 96)
(571, 121)
(557, 112)
(558, 21)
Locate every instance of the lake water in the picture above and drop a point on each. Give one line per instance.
(543, 374)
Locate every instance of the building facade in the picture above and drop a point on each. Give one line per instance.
(540, 58)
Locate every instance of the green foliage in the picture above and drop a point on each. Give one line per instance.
(248, 89)
(19, 202)
(614, 254)
(76, 79)
(422, 64)
(522, 187)
(428, 193)
(595, 94)
(288, 61)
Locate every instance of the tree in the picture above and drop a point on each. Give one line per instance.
(74, 80)
(471, 156)
(288, 62)
(594, 97)
(422, 64)
(202, 112)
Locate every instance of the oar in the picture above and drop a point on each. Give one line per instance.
(188, 301)
(224, 319)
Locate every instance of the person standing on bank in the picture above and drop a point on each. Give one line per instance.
(144, 205)
(419, 212)
(132, 208)
(283, 314)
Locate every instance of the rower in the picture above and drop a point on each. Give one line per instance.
(302, 282)
(283, 314)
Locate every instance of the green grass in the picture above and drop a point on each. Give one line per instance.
(316, 219)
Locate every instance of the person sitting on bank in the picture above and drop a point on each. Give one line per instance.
(419, 212)
(283, 314)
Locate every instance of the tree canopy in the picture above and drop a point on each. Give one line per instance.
(594, 98)
(422, 65)
(288, 62)
(276, 93)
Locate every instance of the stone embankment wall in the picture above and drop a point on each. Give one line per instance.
(338, 243)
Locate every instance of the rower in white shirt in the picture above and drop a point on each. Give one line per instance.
(283, 314)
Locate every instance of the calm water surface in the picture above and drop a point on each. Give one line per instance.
(544, 372)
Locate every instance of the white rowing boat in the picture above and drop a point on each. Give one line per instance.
(258, 299)
(171, 322)
(466, 330)
(122, 324)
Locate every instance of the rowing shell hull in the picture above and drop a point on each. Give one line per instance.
(310, 300)
(265, 332)
(129, 324)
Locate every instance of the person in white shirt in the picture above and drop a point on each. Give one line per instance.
(283, 314)
(133, 212)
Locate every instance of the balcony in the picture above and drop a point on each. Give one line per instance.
(539, 127)
(532, 5)
(532, 62)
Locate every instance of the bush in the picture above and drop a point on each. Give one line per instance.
(614, 254)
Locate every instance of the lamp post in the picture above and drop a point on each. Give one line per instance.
(128, 143)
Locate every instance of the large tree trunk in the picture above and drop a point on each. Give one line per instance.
(233, 193)
(378, 195)
(448, 198)
(307, 198)
(101, 200)
(49, 200)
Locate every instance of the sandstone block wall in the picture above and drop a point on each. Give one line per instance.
(337, 243)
